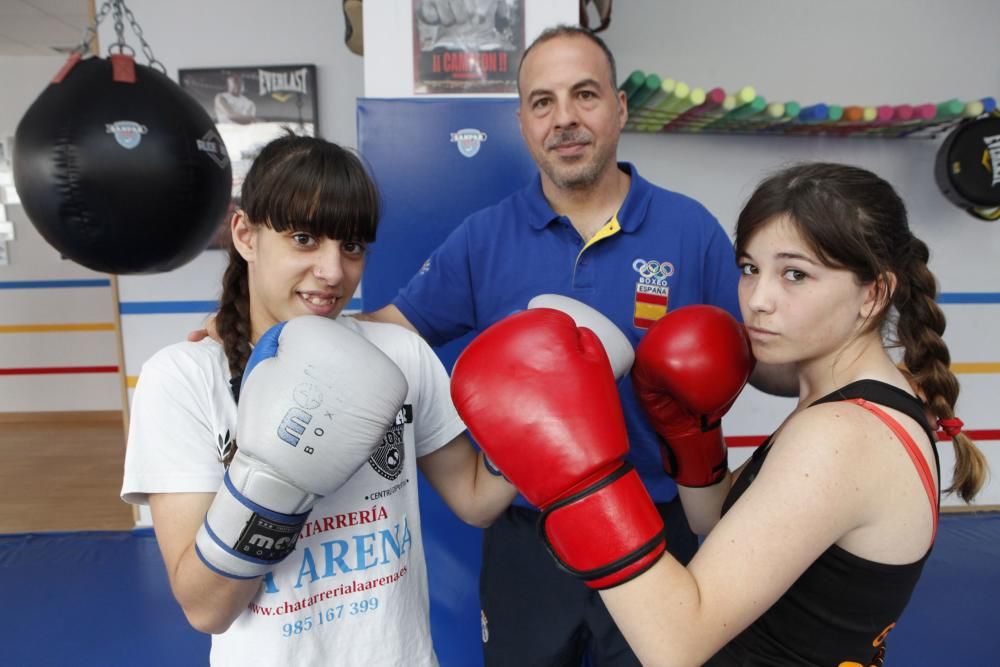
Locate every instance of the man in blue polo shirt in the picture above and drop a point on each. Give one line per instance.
(593, 229)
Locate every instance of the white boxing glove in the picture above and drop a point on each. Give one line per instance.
(620, 352)
(315, 402)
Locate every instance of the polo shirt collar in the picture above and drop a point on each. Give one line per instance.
(630, 215)
(540, 213)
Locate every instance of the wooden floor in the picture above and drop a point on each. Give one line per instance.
(62, 476)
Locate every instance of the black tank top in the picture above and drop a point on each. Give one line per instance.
(838, 613)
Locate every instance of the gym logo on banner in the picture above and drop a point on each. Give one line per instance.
(388, 458)
(652, 292)
(468, 141)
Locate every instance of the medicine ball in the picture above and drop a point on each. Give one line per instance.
(967, 168)
(121, 177)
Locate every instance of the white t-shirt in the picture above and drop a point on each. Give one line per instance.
(354, 591)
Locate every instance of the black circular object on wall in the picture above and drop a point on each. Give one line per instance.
(967, 167)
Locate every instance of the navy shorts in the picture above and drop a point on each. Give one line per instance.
(536, 615)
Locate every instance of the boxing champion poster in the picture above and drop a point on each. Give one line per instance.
(467, 46)
(250, 107)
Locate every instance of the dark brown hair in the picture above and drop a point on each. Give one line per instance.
(854, 220)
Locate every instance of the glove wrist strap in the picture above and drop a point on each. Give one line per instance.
(241, 539)
(696, 460)
(607, 533)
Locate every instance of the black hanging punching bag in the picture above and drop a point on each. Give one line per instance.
(120, 176)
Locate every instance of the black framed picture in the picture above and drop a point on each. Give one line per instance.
(251, 105)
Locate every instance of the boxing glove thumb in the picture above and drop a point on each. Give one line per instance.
(616, 344)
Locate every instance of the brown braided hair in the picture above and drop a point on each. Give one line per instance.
(919, 329)
(855, 220)
(302, 184)
(233, 322)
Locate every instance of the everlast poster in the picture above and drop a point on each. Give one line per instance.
(253, 105)
(250, 107)
(467, 46)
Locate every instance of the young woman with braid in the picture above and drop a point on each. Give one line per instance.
(815, 544)
(338, 575)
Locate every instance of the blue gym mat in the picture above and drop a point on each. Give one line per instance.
(102, 598)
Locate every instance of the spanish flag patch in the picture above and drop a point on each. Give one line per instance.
(651, 302)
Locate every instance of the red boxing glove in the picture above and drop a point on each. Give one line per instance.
(538, 395)
(689, 368)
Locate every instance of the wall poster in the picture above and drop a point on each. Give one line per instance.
(252, 105)
(467, 46)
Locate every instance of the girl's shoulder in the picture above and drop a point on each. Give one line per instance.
(399, 343)
(825, 420)
(426, 376)
(189, 360)
(829, 438)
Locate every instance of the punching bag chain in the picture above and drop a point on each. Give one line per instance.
(121, 12)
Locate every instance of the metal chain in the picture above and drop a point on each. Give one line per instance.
(120, 31)
(90, 33)
(147, 50)
(119, 46)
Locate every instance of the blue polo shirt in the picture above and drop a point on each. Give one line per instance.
(661, 251)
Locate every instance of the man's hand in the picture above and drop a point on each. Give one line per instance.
(210, 331)
(389, 314)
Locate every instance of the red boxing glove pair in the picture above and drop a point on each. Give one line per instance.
(538, 394)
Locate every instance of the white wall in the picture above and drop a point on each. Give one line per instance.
(848, 51)
(48, 326)
(23, 78)
(188, 34)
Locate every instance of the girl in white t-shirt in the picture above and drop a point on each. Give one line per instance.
(354, 589)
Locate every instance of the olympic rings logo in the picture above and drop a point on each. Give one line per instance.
(652, 269)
